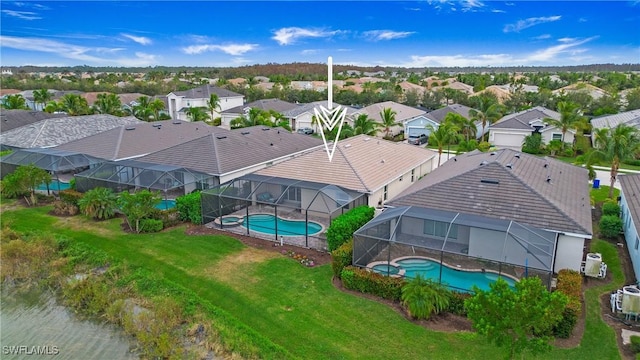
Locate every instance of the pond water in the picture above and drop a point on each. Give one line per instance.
(35, 327)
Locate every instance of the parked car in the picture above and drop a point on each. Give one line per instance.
(418, 140)
(305, 131)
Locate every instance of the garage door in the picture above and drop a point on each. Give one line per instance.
(508, 140)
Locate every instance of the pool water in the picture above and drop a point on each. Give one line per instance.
(166, 204)
(230, 220)
(454, 278)
(266, 224)
(54, 185)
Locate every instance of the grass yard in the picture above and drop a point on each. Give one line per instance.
(602, 194)
(295, 307)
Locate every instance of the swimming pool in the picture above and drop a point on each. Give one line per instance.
(452, 277)
(266, 224)
(54, 185)
(166, 204)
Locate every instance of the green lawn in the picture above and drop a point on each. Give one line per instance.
(601, 194)
(293, 306)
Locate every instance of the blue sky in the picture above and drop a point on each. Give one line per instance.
(367, 33)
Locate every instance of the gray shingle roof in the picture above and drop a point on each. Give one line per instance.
(265, 104)
(522, 192)
(11, 119)
(224, 151)
(629, 118)
(203, 92)
(57, 131)
(630, 184)
(521, 120)
(439, 114)
(141, 139)
(302, 108)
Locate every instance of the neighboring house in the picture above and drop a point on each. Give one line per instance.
(403, 115)
(180, 101)
(11, 119)
(505, 185)
(61, 130)
(418, 125)
(379, 168)
(629, 118)
(630, 212)
(581, 87)
(277, 105)
(510, 130)
(302, 115)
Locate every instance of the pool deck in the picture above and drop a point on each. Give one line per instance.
(317, 241)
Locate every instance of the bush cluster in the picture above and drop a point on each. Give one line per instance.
(150, 225)
(635, 343)
(70, 196)
(341, 257)
(169, 217)
(369, 282)
(570, 284)
(610, 208)
(189, 208)
(456, 303)
(343, 226)
(610, 226)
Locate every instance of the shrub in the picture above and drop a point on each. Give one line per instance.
(610, 226)
(533, 144)
(632, 162)
(343, 226)
(484, 146)
(150, 225)
(72, 183)
(369, 282)
(610, 208)
(570, 284)
(62, 208)
(99, 203)
(189, 208)
(424, 297)
(341, 257)
(635, 343)
(70, 196)
(456, 303)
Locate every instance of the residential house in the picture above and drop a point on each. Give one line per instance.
(379, 168)
(542, 197)
(302, 116)
(630, 212)
(593, 91)
(628, 118)
(418, 125)
(403, 114)
(180, 101)
(510, 130)
(11, 119)
(276, 105)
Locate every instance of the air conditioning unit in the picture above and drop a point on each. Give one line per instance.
(592, 265)
(630, 300)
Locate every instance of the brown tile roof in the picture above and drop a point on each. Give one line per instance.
(4, 92)
(507, 186)
(142, 138)
(630, 184)
(360, 163)
(224, 151)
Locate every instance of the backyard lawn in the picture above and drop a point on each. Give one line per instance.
(296, 307)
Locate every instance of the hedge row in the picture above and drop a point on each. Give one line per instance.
(343, 226)
(341, 257)
(370, 282)
(570, 284)
(189, 208)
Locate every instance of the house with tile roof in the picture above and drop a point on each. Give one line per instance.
(403, 113)
(506, 185)
(630, 213)
(510, 130)
(180, 101)
(302, 115)
(11, 119)
(628, 118)
(276, 105)
(56, 131)
(379, 168)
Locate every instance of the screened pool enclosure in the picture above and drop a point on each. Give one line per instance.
(278, 209)
(55, 161)
(453, 245)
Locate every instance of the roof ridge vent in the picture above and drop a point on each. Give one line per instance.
(493, 153)
(490, 181)
(546, 165)
(517, 155)
(265, 129)
(130, 128)
(157, 125)
(509, 166)
(177, 122)
(347, 145)
(484, 162)
(221, 137)
(244, 132)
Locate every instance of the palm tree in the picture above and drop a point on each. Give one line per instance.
(364, 125)
(615, 145)
(570, 117)
(99, 203)
(443, 135)
(467, 127)
(487, 113)
(74, 105)
(197, 114)
(388, 117)
(14, 102)
(213, 104)
(42, 96)
(156, 106)
(424, 297)
(108, 103)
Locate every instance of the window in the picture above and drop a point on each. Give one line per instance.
(557, 137)
(385, 193)
(292, 193)
(413, 174)
(637, 243)
(439, 229)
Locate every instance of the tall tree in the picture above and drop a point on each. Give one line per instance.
(156, 106)
(74, 104)
(42, 96)
(108, 103)
(570, 118)
(388, 117)
(614, 145)
(633, 99)
(14, 102)
(486, 113)
(213, 104)
(197, 114)
(364, 125)
(442, 136)
(468, 128)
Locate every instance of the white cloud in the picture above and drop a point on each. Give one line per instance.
(97, 55)
(542, 37)
(309, 51)
(378, 35)
(288, 36)
(231, 49)
(139, 39)
(567, 46)
(24, 15)
(459, 60)
(471, 5)
(527, 23)
(497, 11)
